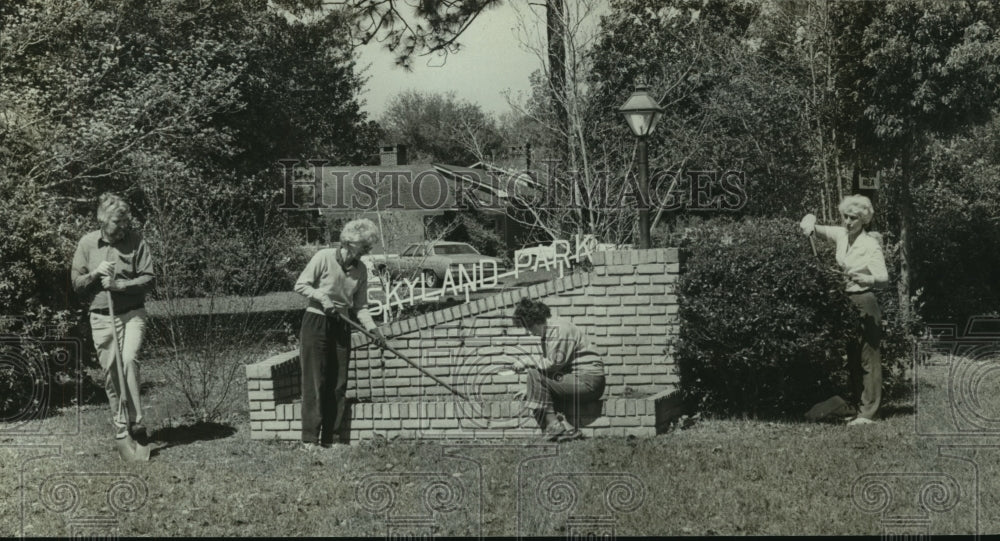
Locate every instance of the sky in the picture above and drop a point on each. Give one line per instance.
(491, 60)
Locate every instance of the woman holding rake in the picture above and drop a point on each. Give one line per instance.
(336, 283)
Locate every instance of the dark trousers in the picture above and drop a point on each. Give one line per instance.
(566, 389)
(324, 352)
(864, 361)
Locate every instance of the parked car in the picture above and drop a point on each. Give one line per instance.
(432, 260)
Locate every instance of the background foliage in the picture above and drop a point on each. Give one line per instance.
(184, 107)
(764, 324)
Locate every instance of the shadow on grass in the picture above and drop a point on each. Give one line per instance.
(165, 438)
(896, 410)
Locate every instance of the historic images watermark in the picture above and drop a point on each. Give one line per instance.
(905, 502)
(966, 361)
(314, 185)
(50, 501)
(537, 498)
(411, 503)
(587, 505)
(35, 370)
(956, 372)
(92, 503)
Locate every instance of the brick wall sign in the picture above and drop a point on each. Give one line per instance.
(560, 256)
(624, 300)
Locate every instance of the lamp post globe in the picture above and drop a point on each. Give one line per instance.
(642, 112)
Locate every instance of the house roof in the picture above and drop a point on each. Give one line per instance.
(417, 188)
(420, 188)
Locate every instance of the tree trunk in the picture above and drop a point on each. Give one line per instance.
(905, 222)
(556, 35)
(555, 26)
(831, 97)
(836, 165)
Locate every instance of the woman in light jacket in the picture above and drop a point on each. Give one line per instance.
(860, 256)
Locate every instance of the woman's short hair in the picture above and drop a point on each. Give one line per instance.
(111, 206)
(858, 204)
(361, 230)
(529, 312)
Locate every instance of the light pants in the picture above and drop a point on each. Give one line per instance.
(864, 360)
(567, 389)
(131, 327)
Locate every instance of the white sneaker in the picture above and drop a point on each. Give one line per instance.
(860, 421)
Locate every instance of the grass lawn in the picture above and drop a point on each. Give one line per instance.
(728, 477)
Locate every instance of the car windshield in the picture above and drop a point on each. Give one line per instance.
(452, 249)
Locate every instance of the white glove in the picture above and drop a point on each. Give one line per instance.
(808, 224)
(106, 268)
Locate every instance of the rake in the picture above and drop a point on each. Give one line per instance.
(407, 360)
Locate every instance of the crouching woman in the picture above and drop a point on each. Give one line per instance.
(567, 371)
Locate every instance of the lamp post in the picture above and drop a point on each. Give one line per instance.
(642, 112)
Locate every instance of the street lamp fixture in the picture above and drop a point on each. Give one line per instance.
(642, 113)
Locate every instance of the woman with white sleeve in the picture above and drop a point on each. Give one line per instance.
(860, 256)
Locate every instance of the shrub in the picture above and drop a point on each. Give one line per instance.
(203, 255)
(38, 349)
(763, 323)
(227, 255)
(899, 336)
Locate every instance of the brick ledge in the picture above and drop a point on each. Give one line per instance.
(459, 420)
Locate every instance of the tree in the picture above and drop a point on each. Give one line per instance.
(728, 107)
(551, 119)
(300, 88)
(909, 71)
(556, 29)
(801, 35)
(429, 27)
(956, 237)
(444, 21)
(99, 96)
(162, 100)
(233, 94)
(440, 128)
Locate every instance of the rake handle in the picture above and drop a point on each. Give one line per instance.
(407, 360)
